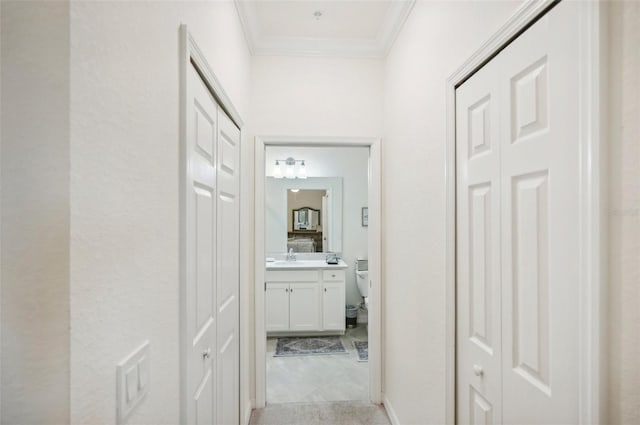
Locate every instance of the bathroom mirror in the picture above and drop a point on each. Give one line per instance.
(306, 219)
(303, 214)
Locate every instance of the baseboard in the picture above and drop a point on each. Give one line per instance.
(247, 412)
(389, 409)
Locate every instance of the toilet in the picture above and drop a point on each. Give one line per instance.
(362, 279)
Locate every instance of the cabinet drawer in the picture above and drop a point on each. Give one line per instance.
(292, 276)
(333, 275)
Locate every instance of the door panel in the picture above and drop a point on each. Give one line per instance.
(333, 306)
(277, 307)
(304, 307)
(478, 379)
(200, 249)
(540, 242)
(228, 287)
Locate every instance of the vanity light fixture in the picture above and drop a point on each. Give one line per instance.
(295, 190)
(294, 169)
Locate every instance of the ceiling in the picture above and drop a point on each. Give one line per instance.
(354, 28)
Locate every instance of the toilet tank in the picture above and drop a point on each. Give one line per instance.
(362, 277)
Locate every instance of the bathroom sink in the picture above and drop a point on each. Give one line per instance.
(304, 264)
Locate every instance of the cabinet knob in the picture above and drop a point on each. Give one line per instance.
(477, 370)
(325, 289)
(206, 354)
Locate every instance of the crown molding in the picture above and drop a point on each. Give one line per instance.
(379, 47)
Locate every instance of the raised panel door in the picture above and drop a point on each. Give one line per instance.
(200, 250)
(540, 100)
(304, 306)
(277, 307)
(228, 271)
(479, 374)
(333, 306)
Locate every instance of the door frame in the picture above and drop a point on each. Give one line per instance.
(592, 197)
(374, 248)
(190, 53)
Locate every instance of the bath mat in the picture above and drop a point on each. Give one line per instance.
(362, 350)
(308, 346)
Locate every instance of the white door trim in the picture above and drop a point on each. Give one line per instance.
(375, 305)
(191, 53)
(592, 200)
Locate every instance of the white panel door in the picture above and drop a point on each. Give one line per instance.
(333, 306)
(304, 307)
(228, 277)
(479, 375)
(540, 242)
(200, 285)
(531, 92)
(277, 307)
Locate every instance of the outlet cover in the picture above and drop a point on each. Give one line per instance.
(132, 381)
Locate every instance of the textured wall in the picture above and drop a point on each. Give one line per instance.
(310, 96)
(35, 212)
(124, 190)
(624, 218)
(436, 40)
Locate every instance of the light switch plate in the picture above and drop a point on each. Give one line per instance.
(132, 381)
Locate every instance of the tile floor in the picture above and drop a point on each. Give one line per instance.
(322, 378)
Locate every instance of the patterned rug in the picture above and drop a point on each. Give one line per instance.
(362, 350)
(308, 346)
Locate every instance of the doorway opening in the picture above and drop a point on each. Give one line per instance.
(317, 271)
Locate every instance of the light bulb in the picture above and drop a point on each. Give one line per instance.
(277, 171)
(290, 171)
(302, 172)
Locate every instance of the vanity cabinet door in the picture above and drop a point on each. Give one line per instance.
(333, 306)
(304, 307)
(277, 307)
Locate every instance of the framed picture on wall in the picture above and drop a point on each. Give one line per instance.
(365, 216)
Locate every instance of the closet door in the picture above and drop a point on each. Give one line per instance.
(228, 278)
(478, 378)
(540, 215)
(517, 230)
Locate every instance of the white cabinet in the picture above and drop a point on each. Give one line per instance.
(333, 307)
(277, 311)
(305, 301)
(304, 307)
(333, 300)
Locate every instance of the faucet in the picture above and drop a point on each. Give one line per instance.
(332, 258)
(291, 256)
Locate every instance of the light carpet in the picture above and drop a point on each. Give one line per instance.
(338, 413)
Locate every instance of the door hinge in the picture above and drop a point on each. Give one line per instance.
(265, 287)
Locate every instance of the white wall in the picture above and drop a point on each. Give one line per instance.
(307, 96)
(352, 165)
(124, 190)
(35, 212)
(436, 39)
(624, 216)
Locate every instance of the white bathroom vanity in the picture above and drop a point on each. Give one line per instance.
(305, 297)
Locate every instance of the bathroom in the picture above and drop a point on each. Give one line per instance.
(316, 208)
